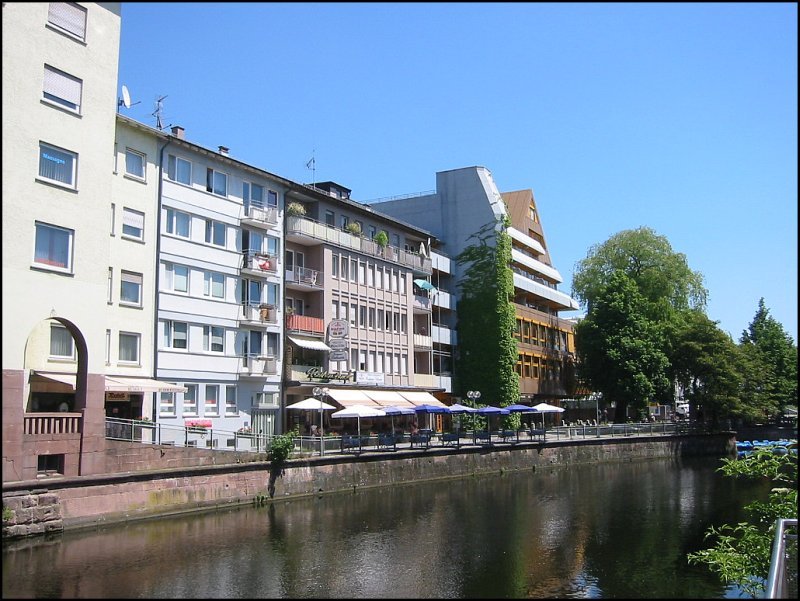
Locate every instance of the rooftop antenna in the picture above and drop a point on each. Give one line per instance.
(312, 164)
(126, 99)
(157, 113)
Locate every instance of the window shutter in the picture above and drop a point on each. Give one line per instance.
(61, 85)
(69, 17)
(133, 219)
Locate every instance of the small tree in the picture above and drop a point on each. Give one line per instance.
(354, 228)
(296, 209)
(382, 239)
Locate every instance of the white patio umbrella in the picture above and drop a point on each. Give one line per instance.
(546, 408)
(312, 404)
(359, 411)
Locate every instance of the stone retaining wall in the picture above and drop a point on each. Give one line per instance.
(48, 506)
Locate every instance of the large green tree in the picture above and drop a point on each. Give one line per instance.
(619, 347)
(706, 362)
(488, 351)
(662, 275)
(772, 363)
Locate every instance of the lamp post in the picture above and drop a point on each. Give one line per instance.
(472, 395)
(321, 393)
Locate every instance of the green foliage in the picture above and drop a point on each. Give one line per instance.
(282, 446)
(382, 239)
(771, 363)
(742, 553)
(486, 318)
(662, 276)
(354, 228)
(708, 365)
(8, 513)
(620, 348)
(296, 209)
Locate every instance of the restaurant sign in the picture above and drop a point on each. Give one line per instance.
(318, 373)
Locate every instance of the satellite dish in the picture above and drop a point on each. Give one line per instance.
(126, 97)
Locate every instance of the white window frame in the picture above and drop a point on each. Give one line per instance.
(211, 281)
(130, 154)
(62, 90)
(169, 280)
(47, 263)
(213, 228)
(65, 334)
(138, 339)
(73, 176)
(171, 223)
(174, 172)
(231, 406)
(211, 394)
(209, 335)
(189, 403)
(212, 176)
(134, 221)
(166, 404)
(130, 277)
(170, 338)
(68, 18)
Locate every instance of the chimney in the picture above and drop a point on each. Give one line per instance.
(177, 131)
(224, 150)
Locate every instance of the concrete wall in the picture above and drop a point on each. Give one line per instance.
(92, 500)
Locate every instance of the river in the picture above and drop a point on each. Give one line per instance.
(595, 531)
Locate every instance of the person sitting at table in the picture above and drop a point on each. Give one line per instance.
(314, 430)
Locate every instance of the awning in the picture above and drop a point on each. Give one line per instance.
(388, 398)
(425, 285)
(350, 397)
(422, 398)
(310, 343)
(119, 384)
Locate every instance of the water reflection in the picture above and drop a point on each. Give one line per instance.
(611, 531)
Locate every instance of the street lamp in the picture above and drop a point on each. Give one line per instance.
(321, 393)
(473, 395)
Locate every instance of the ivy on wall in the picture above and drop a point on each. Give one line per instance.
(486, 318)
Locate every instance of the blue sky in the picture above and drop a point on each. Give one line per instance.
(677, 116)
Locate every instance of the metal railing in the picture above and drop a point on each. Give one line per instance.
(781, 584)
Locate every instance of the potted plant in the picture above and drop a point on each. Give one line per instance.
(382, 239)
(296, 209)
(354, 229)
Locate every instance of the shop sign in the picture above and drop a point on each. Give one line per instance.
(116, 396)
(338, 344)
(369, 377)
(321, 374)
(338, 328)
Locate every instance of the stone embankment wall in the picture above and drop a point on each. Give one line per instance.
(65, 503)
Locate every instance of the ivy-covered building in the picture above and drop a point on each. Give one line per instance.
(468, 206)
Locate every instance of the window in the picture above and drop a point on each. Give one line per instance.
(68, 18)
(108, 347)
(113, 217)
(178, 223)
(62, 88)
(272, 198)
(177, 278)
(128, 347)
(215, 233)
(110, 285)
(130, 289)
(176, 334)
(57, 165)
(373, 231)
(251, 292)
(252, 241)
(132, 224)
(190, 399)
(216, 182)
(272, 294)
(50, 465)
(362, 316)
(214, 339)
(53, 247)
(396, 240)
(214, 284)
(134, 163)
(61, 343)
(212, 399)
(343, 221)
(274, 249)
(167, 404)
(335, 266)
(231, 407)
(179, 170)
(273, 346)
(252, 194)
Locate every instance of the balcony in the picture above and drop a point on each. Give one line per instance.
(422, 341)
(309, 233)
(259, 216)
(259, 315)
(305, 324)
(258, 366)
(259, 264)
(52, 425)
(422, 303)
(302, 278)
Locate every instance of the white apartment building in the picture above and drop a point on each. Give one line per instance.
(59, 98)
(220, 298)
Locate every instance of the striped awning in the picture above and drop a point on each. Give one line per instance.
(118, 383)
(309, 343)
(388, 398)
(422, 398)
(347, 397)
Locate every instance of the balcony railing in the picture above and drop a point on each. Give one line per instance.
(259, 263)
(781, 583)
(260, 216)
(259, 314)
(304, 227)
(259, 365)
(52, 423)
(304, 323)
(304, 277)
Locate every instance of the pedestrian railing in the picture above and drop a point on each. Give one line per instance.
(782, 580)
